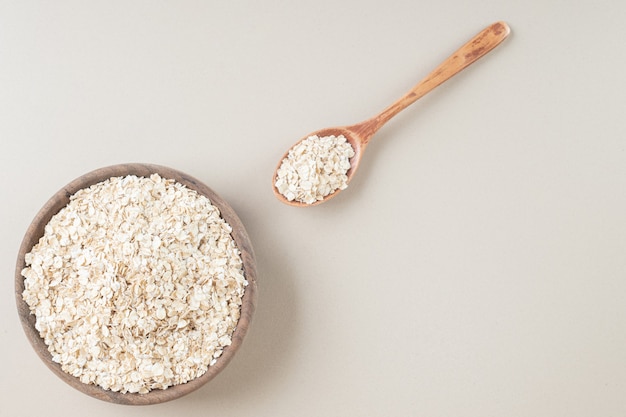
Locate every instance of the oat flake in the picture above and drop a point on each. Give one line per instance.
(136, 284)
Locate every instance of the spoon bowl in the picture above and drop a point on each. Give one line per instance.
(359, 135)
(354, 138)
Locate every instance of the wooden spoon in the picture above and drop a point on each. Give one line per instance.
(360, 134)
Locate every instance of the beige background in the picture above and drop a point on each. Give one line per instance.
(476, 266)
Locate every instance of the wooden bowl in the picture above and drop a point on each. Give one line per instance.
(60, 200)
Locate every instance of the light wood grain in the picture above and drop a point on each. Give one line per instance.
(60, 200)
(360, 134)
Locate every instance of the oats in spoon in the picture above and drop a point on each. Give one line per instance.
(314, 168)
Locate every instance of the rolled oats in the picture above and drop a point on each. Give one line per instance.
(136, 284)
(314, 168)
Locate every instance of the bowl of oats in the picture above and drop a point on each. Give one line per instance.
(136, 284)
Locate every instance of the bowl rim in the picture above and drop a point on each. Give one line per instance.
(59, 200)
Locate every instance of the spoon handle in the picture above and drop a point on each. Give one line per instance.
(469, 53)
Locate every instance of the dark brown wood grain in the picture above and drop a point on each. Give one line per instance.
(60, 200)
(360, 134)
